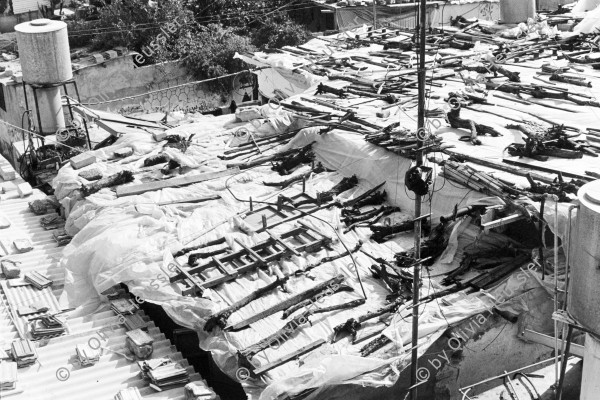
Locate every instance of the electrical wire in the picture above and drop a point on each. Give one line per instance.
(45, 138)
(173, 87)
(197, 22)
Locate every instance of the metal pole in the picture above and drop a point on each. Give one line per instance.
(556, 291)
(374, 14)
(563, 365)
(419, 162)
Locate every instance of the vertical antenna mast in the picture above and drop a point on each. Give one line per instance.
(374, 14)
(417, 266)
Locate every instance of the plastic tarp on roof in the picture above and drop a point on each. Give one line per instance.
(591, 22)
(131, 240)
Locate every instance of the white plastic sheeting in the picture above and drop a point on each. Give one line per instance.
(585, 6)
(591, 21)
(131, 240)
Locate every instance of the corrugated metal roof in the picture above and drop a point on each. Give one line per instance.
(57, 358)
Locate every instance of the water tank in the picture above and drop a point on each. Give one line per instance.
(584, 288)
(44, 51)
(45, 60)
(516, 11)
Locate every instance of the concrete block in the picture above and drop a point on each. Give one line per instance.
(24, 189)
(7, 173)
(82, 160)
(159, 136)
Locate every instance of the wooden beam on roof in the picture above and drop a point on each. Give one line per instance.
(130, 190)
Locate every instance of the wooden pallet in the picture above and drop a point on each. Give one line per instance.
(302, 238)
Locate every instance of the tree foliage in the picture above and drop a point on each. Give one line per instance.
(278, 32)
(209, 32)
(207, 52)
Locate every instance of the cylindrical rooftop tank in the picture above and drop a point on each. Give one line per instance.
(45, 60)
(584, 290)
(44, 51)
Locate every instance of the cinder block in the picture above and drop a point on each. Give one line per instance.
(24, 189)
(159, 136)
(82, 160)
(7, 173)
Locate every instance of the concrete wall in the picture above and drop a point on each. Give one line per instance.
(121, 78)
(118, 78)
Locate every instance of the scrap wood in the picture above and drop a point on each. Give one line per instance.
(113, 180)
(140, 188)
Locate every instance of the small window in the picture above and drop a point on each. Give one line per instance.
(2, 103)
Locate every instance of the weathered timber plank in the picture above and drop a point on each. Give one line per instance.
(130, 190)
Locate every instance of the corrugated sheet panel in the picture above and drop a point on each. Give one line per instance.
(58, 374)
(23, 296)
